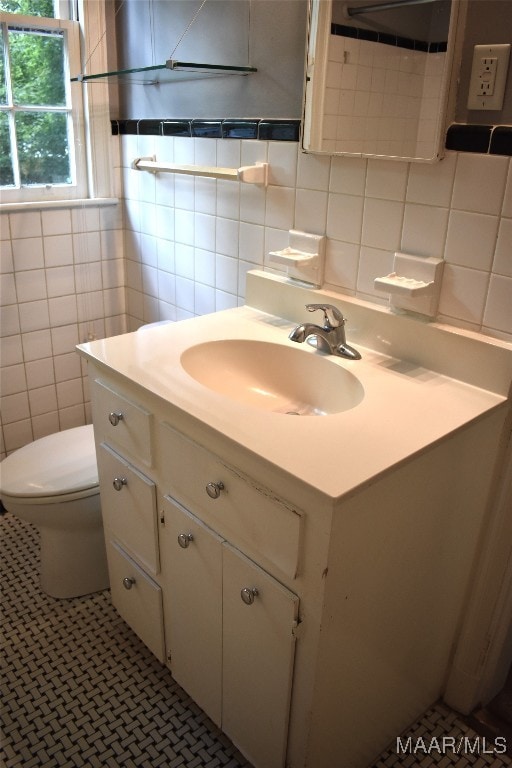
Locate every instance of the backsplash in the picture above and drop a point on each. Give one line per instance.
(181, 246)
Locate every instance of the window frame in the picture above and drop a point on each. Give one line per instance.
(78, 187)
(90, 114)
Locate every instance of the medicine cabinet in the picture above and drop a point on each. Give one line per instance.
(378, 77)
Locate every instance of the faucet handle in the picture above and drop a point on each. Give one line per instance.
(332, 316)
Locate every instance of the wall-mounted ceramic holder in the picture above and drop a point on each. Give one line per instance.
(414, 284)
(304, 257)
(249, 174)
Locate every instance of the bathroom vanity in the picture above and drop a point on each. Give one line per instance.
(299, 559)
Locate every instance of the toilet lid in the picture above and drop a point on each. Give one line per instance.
(62, 463)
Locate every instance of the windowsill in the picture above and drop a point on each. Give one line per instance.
(89, 202)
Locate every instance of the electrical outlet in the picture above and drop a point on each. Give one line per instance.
(488, 76)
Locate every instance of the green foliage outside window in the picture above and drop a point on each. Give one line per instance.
(37, 69)
(3, 90)
(28, 7)
(6, 172)
(42, 148)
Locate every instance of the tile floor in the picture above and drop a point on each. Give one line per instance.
(80, 689)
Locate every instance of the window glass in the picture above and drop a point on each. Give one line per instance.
(42, 143)
(3, 90)
(6, 171)
(37, 67)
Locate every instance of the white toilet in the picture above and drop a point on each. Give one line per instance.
(53, 484)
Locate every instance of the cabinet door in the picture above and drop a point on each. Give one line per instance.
(137, 598)
(128, 503)
(192, 570)
(258, 656)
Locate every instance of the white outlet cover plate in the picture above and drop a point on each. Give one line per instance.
(476, 100)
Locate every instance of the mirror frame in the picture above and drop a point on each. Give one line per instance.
(317, 45)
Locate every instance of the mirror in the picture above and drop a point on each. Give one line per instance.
(378, 76)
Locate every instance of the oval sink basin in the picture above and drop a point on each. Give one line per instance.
(273, 377)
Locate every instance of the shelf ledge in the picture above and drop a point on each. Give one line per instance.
(249, 174)
(152, 73)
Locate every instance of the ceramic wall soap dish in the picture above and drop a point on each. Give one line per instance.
(303, 258)
(414, 284)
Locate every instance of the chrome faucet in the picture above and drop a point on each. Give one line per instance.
(330, 337)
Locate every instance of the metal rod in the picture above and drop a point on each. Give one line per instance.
(384, 6)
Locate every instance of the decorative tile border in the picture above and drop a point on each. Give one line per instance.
(254, 128)
(501, 140)
(387, 39)
(486, 139)
(461, 137)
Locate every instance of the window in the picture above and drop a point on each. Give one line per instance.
(42, 151)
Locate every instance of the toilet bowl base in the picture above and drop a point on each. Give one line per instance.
(73, 560)
(72, 565)
(52, 483)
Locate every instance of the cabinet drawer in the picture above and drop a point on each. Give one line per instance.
(138, 599)
(128, 503)
(245, 512)
(122, 423)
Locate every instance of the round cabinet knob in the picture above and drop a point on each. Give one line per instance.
(213, 489)
(184, 539)
(248, 594)
(115, 418)
(128, 582)
(119, 482)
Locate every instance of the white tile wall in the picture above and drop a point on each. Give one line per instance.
(459, 209)
(188, 244)
(63, 281)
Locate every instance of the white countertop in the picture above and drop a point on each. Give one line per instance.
(405, 409)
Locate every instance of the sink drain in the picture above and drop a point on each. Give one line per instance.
(293, 413)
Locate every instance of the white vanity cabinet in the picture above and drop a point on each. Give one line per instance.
(197, 553)
(230, 628)
(304, 579)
